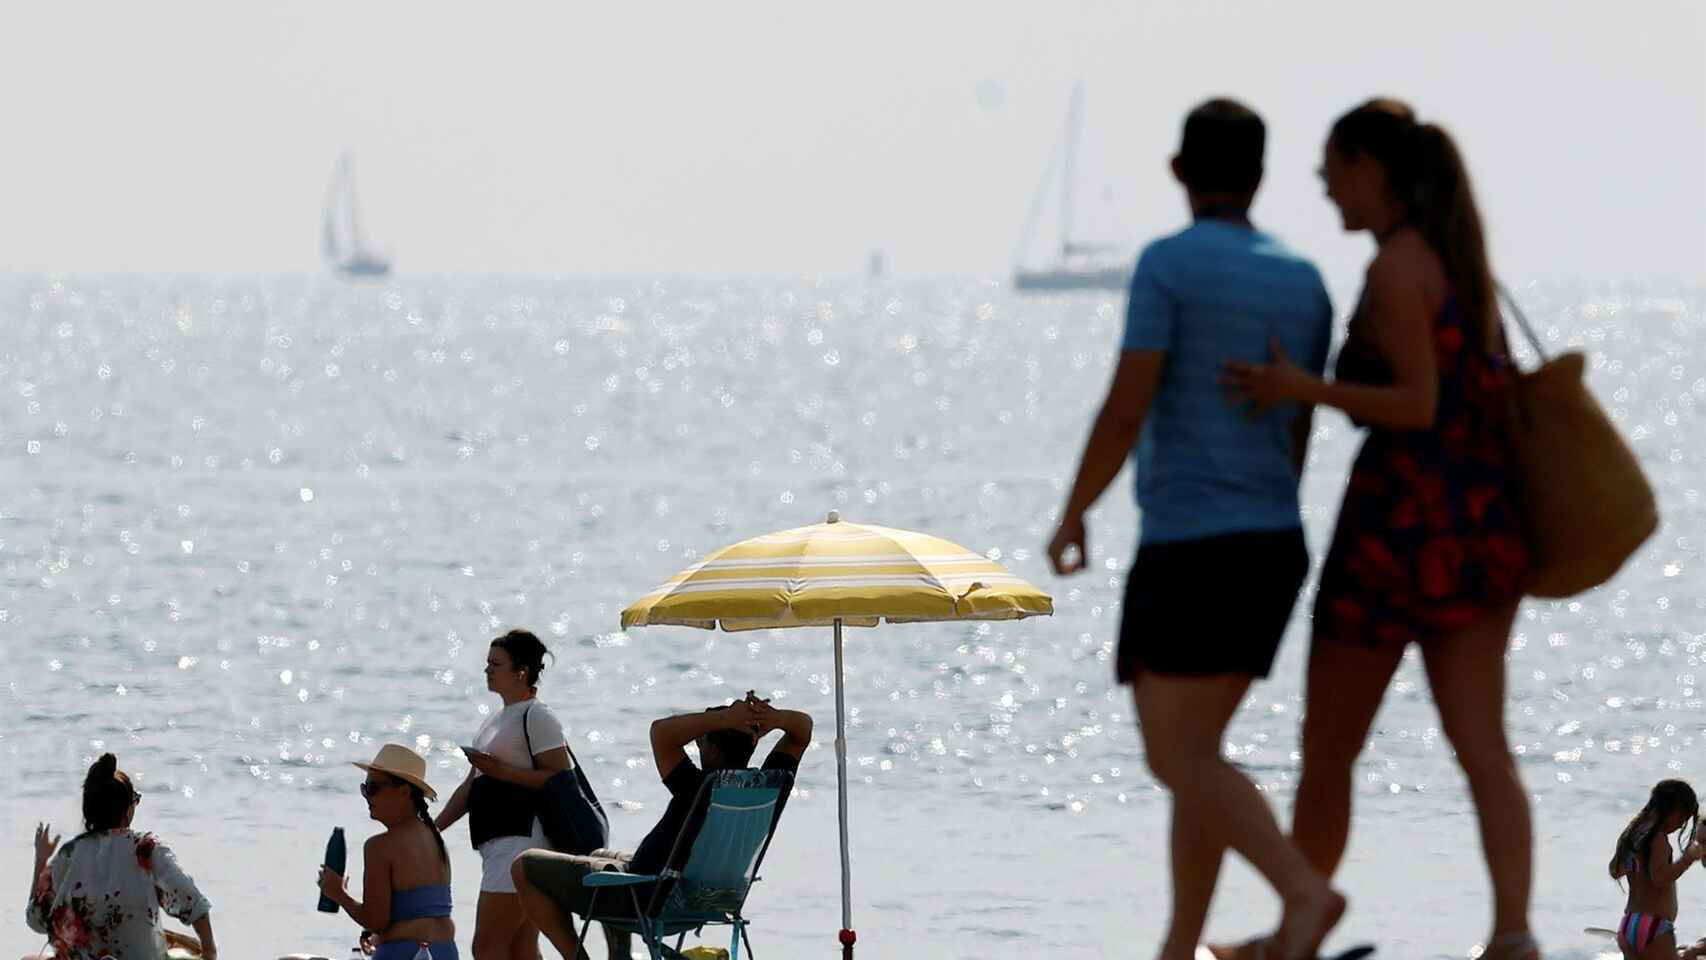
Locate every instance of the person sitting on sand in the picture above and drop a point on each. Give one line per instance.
(549, 883)
(102, 893)
(1643, 857)
(405, 870)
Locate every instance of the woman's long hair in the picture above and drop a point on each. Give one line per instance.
(418, 796)
(107, 795)
(1668, 797)
(1431, 181)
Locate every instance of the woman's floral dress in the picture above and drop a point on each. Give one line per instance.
(103, 893)
(1430, 538)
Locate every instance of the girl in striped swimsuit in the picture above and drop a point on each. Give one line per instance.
(1643, 856)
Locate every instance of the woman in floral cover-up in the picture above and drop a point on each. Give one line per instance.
(104, 891)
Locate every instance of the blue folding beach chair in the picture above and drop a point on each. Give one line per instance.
(715, 874)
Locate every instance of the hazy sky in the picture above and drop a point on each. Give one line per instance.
(583, 138)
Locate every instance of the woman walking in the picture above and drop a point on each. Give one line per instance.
(1429, 547)
(515, 751)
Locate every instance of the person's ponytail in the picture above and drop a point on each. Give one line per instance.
(1442, 206)
(419, 797)
(107, 795)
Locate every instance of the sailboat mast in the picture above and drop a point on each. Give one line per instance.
(329, 238)
(1073, 116)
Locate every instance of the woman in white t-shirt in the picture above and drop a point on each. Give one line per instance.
(516, 751)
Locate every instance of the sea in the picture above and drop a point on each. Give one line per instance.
(251, 529)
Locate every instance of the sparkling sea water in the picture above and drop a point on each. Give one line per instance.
(252, 529)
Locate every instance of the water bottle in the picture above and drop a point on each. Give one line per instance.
(334, 860)
(425, 952)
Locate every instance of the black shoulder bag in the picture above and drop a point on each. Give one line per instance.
(573, 819)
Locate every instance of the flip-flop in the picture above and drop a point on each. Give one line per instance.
(1260, 951)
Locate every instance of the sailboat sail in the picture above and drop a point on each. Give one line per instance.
(329, 236)
(341, 234)
(1081, 266)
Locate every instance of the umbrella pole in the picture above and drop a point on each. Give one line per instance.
(847, 935)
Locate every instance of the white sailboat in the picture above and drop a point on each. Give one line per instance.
(1080, 266)
(341, 236)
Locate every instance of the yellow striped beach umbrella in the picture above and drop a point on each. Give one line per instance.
(837, 574)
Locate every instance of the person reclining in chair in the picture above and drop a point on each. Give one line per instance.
(549, 883)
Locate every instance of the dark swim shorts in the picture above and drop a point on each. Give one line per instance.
(1218, 605)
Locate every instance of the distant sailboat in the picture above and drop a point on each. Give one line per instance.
(1081, 266)
(341, 236)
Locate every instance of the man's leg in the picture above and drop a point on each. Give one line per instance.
(1183, 721)
(1197, 856)
(619, 943)
(557, 924)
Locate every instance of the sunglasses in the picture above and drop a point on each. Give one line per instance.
(369, 788)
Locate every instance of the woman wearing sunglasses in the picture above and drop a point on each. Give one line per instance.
(104, 891)
(405, 877)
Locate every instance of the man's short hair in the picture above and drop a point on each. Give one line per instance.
(734, 747)
(1221, 150)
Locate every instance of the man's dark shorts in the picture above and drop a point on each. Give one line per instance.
(1218, 605)
(559, 875)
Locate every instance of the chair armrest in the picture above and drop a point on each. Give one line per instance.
(616, 878)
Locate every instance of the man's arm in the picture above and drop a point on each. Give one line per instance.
(671, 735)
(796, 727)
(1111, 439)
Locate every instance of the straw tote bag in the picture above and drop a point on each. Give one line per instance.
(1584, 499)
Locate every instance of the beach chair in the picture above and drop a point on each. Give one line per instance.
(717, 868)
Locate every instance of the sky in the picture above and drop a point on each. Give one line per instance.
(694, 138)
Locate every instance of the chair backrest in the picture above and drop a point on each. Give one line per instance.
(740, 811)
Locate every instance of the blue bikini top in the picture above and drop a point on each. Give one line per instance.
(421, 903)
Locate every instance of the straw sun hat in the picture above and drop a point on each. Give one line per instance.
(399, 761)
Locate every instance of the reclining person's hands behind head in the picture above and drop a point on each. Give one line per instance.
(765, 716)
(743, 715)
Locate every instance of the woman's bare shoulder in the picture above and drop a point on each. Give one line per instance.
(381, 845)
(1406, 263)
(1405, 254)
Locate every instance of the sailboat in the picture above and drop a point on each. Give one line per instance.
(341, 235)
(1080, 266)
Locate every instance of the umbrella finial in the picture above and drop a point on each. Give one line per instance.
(834, 517)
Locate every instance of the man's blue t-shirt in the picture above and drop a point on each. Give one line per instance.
(1214, 292)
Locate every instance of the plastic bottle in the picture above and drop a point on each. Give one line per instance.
(425, 952)
(334, 860)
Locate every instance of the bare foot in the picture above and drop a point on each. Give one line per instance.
(1512, 946)
(1306, 923)
(1256, 949)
